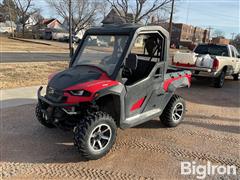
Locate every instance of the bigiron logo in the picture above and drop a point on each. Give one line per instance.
(201, 171)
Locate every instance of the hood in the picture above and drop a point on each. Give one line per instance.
(73, 76)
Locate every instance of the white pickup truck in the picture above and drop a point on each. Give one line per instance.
(210, 60)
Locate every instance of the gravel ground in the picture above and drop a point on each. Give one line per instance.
(210, 132)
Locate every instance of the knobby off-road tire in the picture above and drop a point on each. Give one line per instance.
(219, 81)
(174, 112)
(235, 77)
(95, 135)
(40, 117)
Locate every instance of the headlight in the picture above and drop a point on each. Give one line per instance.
(80, 93)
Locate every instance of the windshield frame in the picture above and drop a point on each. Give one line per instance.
(121, 58)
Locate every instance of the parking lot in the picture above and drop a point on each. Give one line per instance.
(210, 132)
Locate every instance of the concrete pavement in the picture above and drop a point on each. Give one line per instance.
(18, 96)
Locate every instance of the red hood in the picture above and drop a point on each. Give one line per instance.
(92, 86)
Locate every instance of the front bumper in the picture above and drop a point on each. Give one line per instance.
(54, 104)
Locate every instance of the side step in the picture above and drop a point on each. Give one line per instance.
(141, 118)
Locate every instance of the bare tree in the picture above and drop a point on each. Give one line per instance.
(24, 11)
(140, 9)
(236, 42)
(8, 7)
(218, 33)
(83, 11)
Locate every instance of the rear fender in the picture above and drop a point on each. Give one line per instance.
(171, 84)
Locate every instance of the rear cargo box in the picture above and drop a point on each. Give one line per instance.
(185, 58)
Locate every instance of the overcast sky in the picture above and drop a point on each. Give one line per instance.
(219, 14)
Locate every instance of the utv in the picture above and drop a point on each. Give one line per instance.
(122, 84)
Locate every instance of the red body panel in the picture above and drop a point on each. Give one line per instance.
(138, 104)
(92, 86)
(168, 82)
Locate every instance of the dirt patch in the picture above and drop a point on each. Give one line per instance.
(209, 132)
(14, 75)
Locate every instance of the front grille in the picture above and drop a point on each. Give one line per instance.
(55, 95)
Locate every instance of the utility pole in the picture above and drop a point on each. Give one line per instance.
(170, 21)
(70, 29)
(233, 34)
(10, 17)
(209, 32)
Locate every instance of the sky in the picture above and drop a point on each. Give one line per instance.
(221, 15)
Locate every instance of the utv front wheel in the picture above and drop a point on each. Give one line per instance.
(174, 112)
(95, 135)
(41, 117)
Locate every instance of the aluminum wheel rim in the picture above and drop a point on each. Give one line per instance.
(100, 137)
(177, 112)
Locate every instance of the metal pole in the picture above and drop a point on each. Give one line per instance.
(70, 29)
(209, 33)
(233, 34)
(10, 16)
(170, 21)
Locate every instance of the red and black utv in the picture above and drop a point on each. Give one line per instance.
(118, 77)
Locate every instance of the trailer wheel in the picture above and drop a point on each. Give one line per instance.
(95, 135)
(219, 81)
(174, 112)
(235, 76)
(41, 118)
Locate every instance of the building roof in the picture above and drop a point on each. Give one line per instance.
(48, 21)
(114, 17)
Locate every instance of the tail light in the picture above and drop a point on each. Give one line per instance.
(215, 64)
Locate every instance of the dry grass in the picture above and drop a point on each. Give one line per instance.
(14, 75)
(11, 45)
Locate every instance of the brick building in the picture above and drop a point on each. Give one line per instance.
(220, 40)
(184, 34)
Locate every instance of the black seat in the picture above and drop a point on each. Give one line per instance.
(130, 66)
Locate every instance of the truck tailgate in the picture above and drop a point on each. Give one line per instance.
(185, 58)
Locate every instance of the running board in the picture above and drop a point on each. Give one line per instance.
(141, 118)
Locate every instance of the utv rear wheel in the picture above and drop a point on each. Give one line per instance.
(95, 135)
(219, 81)
(174, 112)
(235, 76)
(41, 117)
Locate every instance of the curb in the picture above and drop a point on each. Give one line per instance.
(29, 41)
(19, 96)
